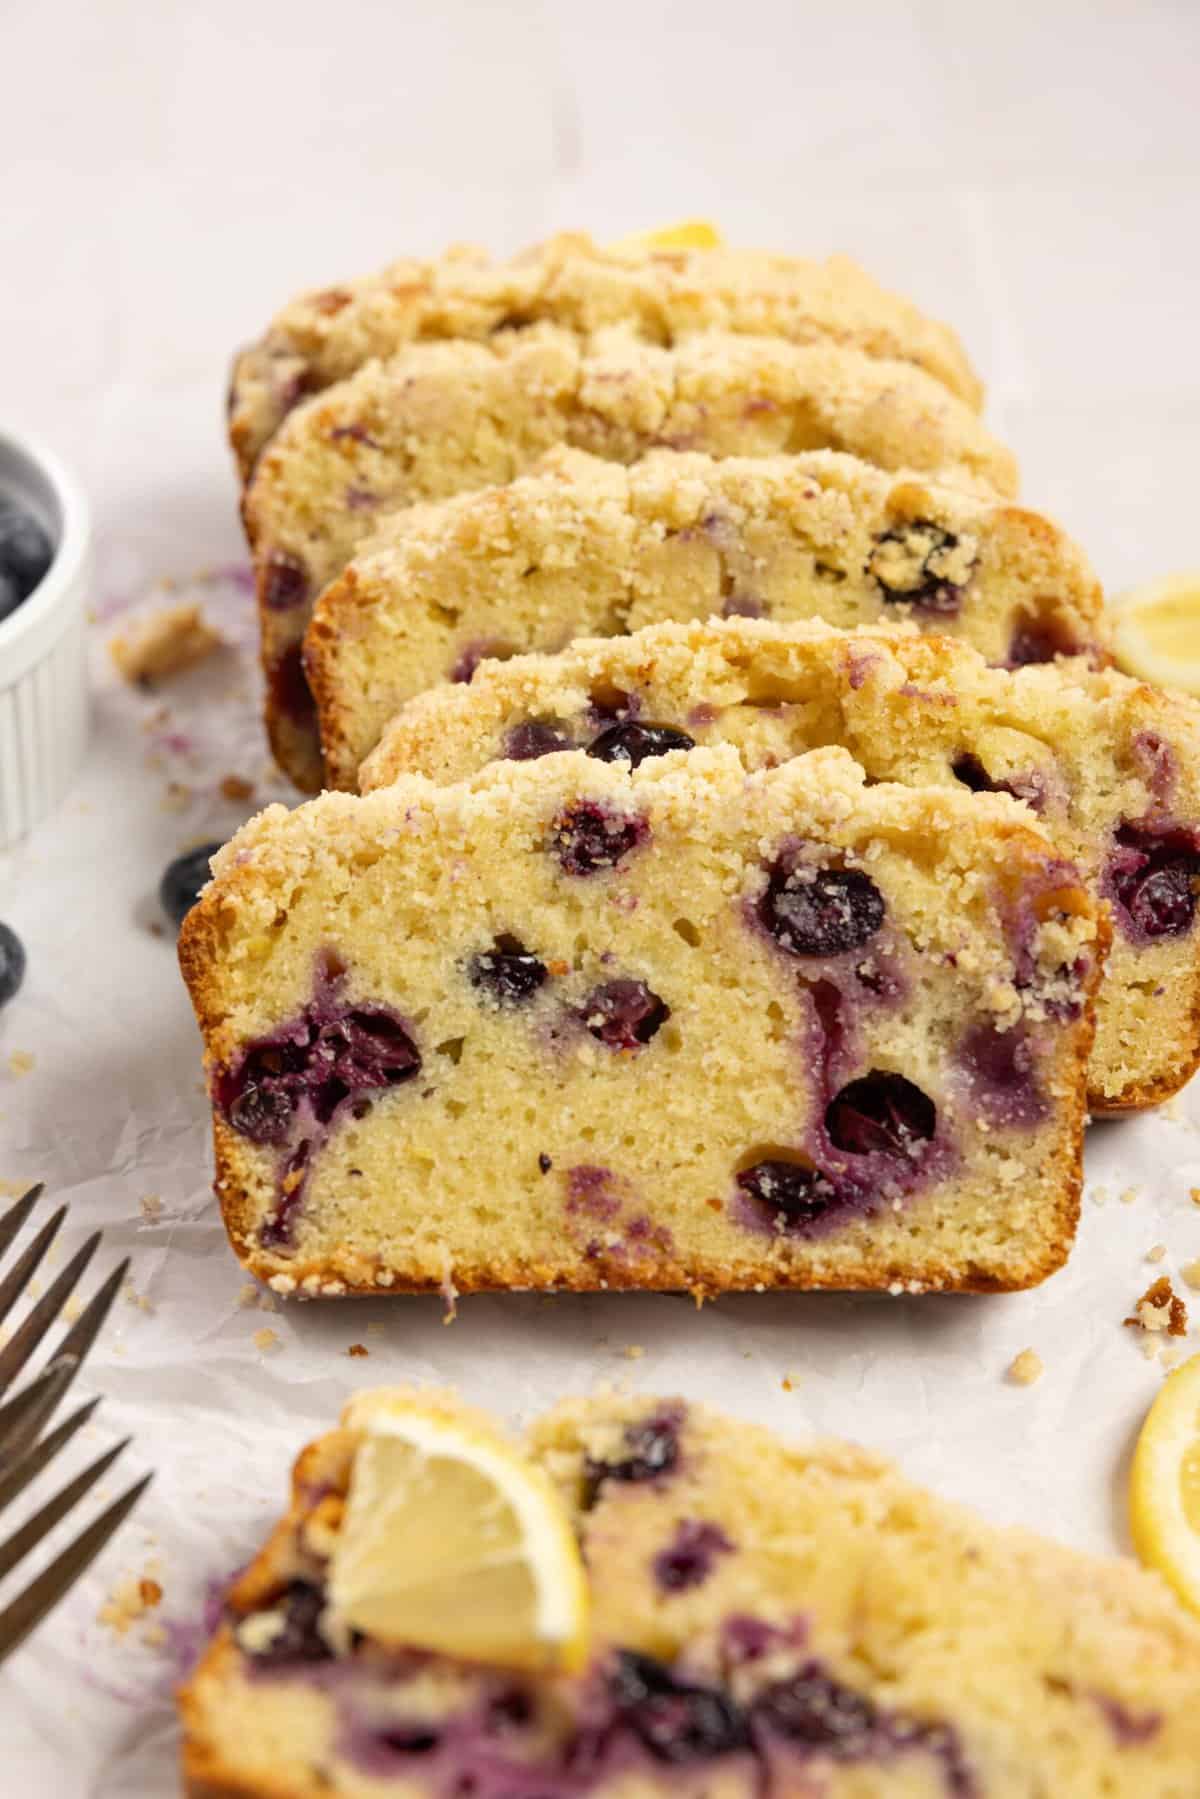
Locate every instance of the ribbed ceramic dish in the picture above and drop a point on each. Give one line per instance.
(43, 671)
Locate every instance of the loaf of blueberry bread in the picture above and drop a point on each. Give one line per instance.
(586, 548)
(572, 1024)
(440, 418)
(766, 1618)
(662, 294)
(1111, 767)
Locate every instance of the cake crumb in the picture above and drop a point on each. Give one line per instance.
(72, 1309)
(237, 789)
(1026, 1368)
(170, 640)
(1156, 1252)
(1191, 1274)
(142, 1301)
(248, 1295)
(152, 1208)
(1129, 1195)
(155, 1636)
(1160, 1309)
(1194, 1196)
(357, 1349)
(266, 1340)
(14, 1189)
(129, 1600)
(1099, 1196)
(634, 1352)
(790, 1382)
(21, 1063)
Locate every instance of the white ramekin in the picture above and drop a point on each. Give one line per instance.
(43, 665)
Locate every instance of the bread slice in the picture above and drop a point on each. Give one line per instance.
(768, 1617)
(584, 548)
(1109, 765)
(664, 295)
(440, 418)
(572, 1025)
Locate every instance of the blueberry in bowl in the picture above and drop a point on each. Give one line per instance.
(182, 879)
(26, 553)
(12, 963)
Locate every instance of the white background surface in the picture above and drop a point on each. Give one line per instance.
(170, 174)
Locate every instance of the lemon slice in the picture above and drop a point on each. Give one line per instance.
(1156, 632)
(1164, 1491)
(688, 234)
(452, 1541)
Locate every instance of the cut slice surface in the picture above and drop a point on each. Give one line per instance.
(1164, 1494)
(452, 1542)
(1156, 631)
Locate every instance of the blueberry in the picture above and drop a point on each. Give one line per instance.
(653, 1449)
(633, 742)
(25, 552)
(284, 582)
(791, 1192)
(624, 1014)
(676, 1721)
(588, 837)
(182, 880)
(820, 911)
(12, 963)
(290, 691)
(880, 1114)
(1152, 876)
(814, 1711)
(912, 563)
(299, 1640)
(10, 594)
(1030, 787)
(508, 971)
(262, 1112)
(535, 737)
(688, 1559)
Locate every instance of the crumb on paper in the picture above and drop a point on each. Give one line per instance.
(1130, 1194)
(1099, 1196)
(21, 1063)
(265, 1340)
(155, 1636)
(1194, 1196)
(790, 1382)
(633, 1352)
(72, 1309)
(358, 1349)
(1191, 1274)
(152, 1207)
(177, 796)
(1156, 1252)
(1026, 1368)
(142, 1301)
(14, 1189)
(1160, 1309)
(165, 643)
(129, 1600)
(237, 789)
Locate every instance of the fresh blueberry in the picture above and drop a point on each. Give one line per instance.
(820, 911)
(881, 1114)
(508, 971)
(535, 737)
(791, 1193)
(588, 837)
(25, 554)
(624, 1014)
(182, 880)
(633, 742)
(12, 963)
(676, 1721)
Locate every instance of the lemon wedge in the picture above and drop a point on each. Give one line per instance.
(454, 1542)
(688, 234)
(1156, 632)
(1164, 1490)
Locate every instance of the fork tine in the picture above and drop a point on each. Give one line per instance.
(22, 1271)
(24, 1341)
(17, 1214)
(14, 1480)
(28, 1535)
(19, 1618)
(23, 1417)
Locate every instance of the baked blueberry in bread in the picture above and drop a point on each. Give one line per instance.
(443, 417)
(664, 295)
(1111, 767)
(584, 548)
(766, 1618)
(572, 1023)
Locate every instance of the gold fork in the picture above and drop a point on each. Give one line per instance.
(24, 1453)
